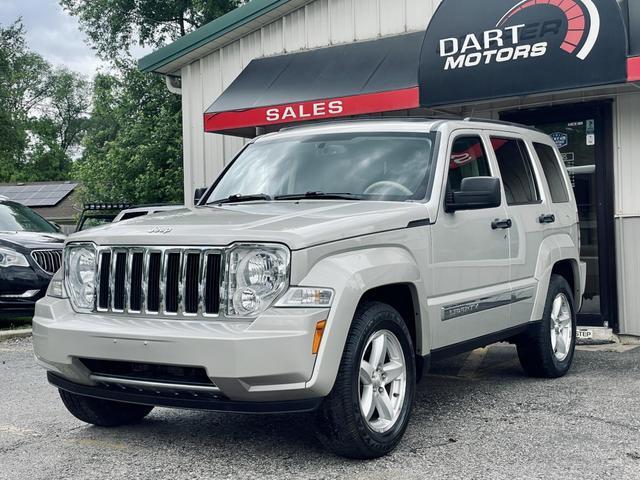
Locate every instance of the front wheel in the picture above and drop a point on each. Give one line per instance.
(367, 412)
(547, 351)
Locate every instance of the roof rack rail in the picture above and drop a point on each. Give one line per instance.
(502, 122)
(105, 206)
(330, 122)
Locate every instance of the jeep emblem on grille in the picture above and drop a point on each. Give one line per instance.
(161, 230)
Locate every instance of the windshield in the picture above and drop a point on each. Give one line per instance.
(18, 218)
(367, 166)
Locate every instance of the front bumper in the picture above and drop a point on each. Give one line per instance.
(19, 306)
(21, 288)
(267, 360)
(183, 400)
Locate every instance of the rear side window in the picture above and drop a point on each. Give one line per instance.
(552, 170)
(467, 159)
(517, 171)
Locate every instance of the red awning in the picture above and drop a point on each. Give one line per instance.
(342, 81)
(313, 110)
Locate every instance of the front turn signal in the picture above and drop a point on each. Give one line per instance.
(317, 337)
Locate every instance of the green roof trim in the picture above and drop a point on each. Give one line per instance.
(207, 33)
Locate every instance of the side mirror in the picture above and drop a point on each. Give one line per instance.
(198, 194)
(475, 193)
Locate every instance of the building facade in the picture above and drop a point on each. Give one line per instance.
(591, 107)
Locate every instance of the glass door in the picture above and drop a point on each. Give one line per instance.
(583, 134)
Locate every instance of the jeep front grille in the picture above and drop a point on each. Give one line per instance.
(159, 280)
(48, 260)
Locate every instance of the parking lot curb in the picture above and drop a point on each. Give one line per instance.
(19, 333)
(629, 339)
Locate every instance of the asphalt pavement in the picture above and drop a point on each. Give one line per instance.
(476, 416)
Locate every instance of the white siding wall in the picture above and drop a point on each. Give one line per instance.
(319, 23)
(627, 175)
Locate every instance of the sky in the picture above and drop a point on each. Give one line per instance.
(54, 34)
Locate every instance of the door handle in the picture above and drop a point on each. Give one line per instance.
(504, 223)
(547, 218)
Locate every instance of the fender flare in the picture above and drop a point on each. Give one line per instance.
(555, 249)
(351, 275)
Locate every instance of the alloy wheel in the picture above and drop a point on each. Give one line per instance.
(383, 381)
(561, 327)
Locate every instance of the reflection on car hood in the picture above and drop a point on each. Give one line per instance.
(299, 224)
(32, 240)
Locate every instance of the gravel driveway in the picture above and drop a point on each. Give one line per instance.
(476, 416)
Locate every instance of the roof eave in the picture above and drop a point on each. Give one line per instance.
(253, 15)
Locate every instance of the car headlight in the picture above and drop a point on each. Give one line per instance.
(80, 275)
(11, 258)
(56, 286)
(256, 276)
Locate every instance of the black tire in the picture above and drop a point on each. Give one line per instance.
(534, 347)
(340, 425)
(103, 413)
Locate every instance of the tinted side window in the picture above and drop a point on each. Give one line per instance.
(516, 169)
(468, 159)
(552, 170)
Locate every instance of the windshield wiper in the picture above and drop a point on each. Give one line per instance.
(239, 198)
(319, 195)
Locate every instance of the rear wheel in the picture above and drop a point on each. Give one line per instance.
(103, 413)
(367, 412)
(547, 351)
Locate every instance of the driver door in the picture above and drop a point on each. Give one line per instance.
(469, 285)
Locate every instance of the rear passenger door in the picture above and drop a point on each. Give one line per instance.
(526, 207)
(470, 264)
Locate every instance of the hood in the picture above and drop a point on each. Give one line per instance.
(32, 240)
(299, 224)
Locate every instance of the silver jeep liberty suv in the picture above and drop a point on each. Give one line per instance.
(320, 273)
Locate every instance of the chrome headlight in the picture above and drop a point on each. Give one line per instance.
(256, 276)
(80, 275)
(11, 258)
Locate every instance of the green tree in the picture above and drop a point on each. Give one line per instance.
(67, 106)
(23, 84)
(42, 112)
(133, 146)
(114, 26)
(57, 129)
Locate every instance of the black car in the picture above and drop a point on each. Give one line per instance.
(30, 253)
